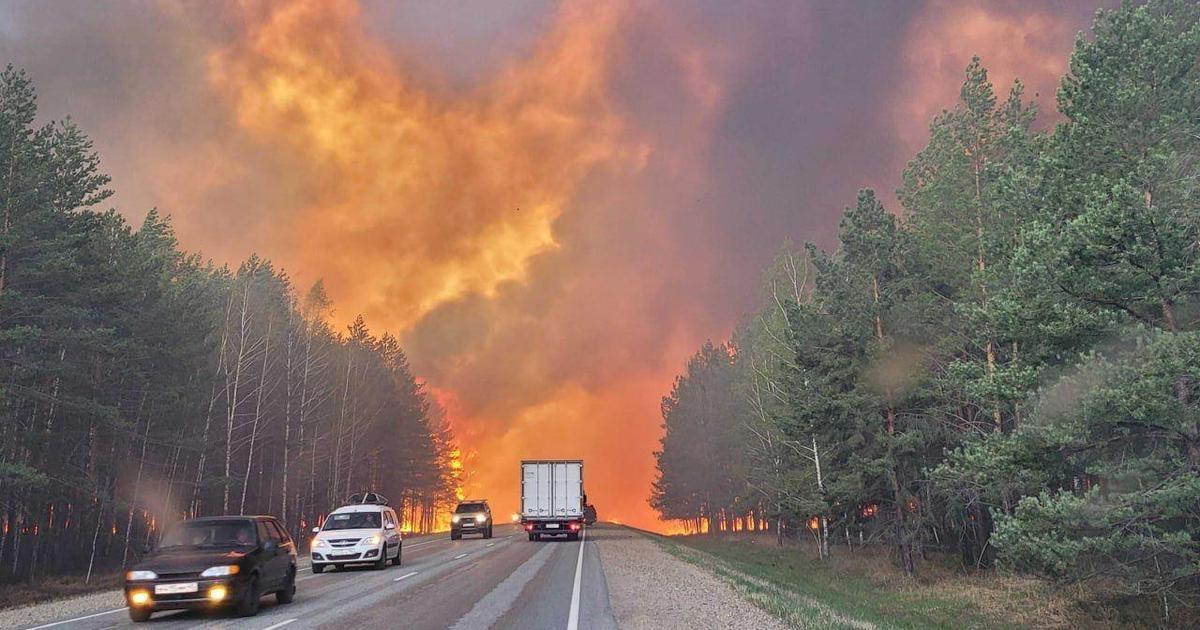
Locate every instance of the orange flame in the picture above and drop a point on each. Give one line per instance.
(434, 199)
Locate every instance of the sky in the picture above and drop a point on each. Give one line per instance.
(552, 204)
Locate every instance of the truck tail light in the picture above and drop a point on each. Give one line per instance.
(573, 526)
(528, 527)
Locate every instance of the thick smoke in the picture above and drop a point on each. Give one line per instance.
(554, 205)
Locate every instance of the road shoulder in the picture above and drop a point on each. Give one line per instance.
(650, 588)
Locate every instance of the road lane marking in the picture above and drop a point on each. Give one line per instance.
(59, 623)
(460, 556)
(573, 617)
(279, 625)
(488, 610)
(406, 575)
(489, 544)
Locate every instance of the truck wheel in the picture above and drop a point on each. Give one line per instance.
(318, 568)
(572, 536)
(139, 615)
(530, 536)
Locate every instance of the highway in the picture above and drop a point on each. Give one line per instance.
(504, 582)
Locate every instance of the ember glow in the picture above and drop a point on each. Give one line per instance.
(553, 210)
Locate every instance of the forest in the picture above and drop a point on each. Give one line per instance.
(1005, 367)
(141, 384)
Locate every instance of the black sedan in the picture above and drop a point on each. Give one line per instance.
(215, 562)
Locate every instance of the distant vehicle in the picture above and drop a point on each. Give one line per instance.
(473, 516)
(552, 498)
(589, 514)
(365, 531)
(214, 562)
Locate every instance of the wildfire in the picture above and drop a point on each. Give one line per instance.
(431, 198)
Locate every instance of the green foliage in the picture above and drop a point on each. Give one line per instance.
(140, 384)
(1021, 349)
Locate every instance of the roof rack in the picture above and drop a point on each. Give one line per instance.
(368, 498)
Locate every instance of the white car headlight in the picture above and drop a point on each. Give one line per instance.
(141, 575)
(319, 543)
(224, 570)
(372, 540)
(455, 518)
(481, 517)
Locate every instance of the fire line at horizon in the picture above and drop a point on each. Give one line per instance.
(658, 153)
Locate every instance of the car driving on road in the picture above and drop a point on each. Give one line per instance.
(214, 562)
(471, 517)
(356, 534)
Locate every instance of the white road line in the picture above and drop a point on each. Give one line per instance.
(460, 556)
(489, 609)
(573, 617)
(279, 625)
(427, 542)
(489, 544)
(405, 576)
(59, 623)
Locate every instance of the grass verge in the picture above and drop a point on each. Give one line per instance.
(863, 590)
(16, 595)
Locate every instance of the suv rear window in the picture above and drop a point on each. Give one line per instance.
(463, 508)
(353, 520)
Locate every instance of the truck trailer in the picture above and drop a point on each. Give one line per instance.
(552, 498)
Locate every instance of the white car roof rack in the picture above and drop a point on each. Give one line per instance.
(368, 498)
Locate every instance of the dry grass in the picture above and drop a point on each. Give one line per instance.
(13, 595)
(865, 583)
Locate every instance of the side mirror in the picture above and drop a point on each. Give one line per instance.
(316, 529)
(390, 526)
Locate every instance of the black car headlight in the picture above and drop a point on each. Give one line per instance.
(134, 576)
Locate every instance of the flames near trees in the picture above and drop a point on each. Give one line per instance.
(1008, 368)
(140, 384)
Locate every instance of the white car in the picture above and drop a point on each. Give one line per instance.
(357, 534)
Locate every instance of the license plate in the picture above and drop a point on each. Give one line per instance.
(171, 589)
(551, 525)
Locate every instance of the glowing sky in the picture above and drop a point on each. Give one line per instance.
(552, 204)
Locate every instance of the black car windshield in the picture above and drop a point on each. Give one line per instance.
(464, 508)
(353, 520)
(203, 534)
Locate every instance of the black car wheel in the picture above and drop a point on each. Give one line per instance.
(318, 568)
(381, 563)
(139, 614)
(248, 605)
(399, 552)
(454, 536)
(288, 593)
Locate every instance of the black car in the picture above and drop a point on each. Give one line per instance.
(471, 517)
(214, 562)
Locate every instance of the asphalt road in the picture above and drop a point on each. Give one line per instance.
(504, 582)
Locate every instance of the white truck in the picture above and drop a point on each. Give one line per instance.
(552, 497)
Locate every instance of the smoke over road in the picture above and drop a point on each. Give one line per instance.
(552, 206)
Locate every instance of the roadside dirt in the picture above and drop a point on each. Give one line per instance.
(648, 588)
